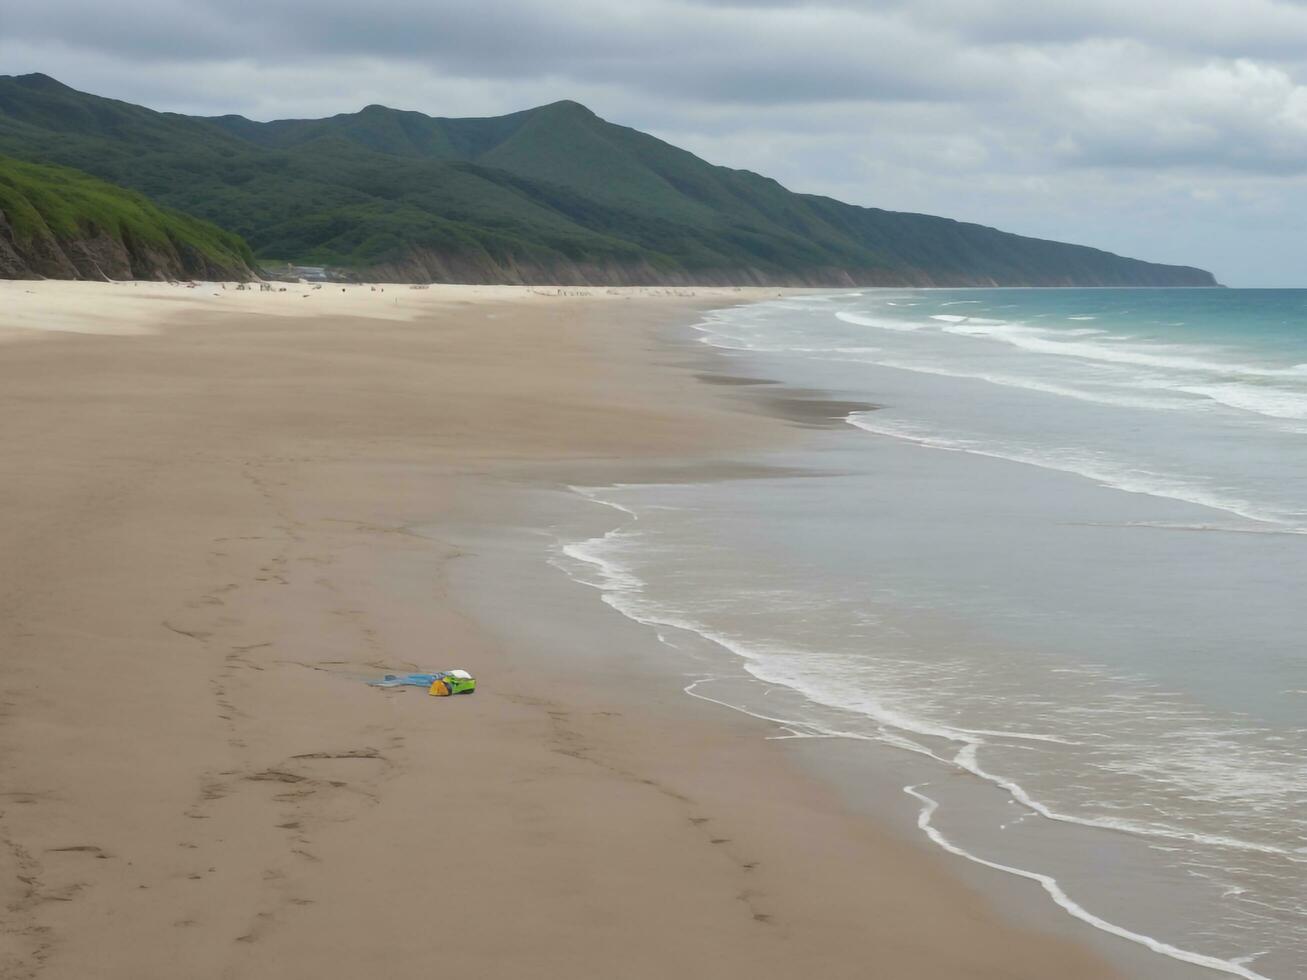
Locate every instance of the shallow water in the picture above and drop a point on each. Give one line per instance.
(1066, 556)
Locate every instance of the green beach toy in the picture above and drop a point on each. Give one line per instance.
(452, 682)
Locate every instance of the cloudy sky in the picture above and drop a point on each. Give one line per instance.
(1173, 130)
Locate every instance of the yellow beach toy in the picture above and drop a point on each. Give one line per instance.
(452, 682)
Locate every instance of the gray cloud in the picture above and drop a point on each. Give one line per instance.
(1067, 118)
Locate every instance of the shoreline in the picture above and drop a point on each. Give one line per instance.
(221, 528)
(1064, 850)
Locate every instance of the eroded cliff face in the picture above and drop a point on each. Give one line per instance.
(421, 265)
(102, 256)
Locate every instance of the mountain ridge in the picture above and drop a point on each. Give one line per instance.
(543, 195)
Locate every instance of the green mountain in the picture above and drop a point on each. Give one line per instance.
(64, 224)
(553, 194)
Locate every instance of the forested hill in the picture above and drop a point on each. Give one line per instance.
(553, 194)
(62, 224)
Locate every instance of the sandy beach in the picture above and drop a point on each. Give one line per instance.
(225, 511)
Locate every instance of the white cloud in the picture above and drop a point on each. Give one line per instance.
(1237, 115)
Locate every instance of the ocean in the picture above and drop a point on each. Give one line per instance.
(1064, 556)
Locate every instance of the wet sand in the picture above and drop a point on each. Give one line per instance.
(224, 513)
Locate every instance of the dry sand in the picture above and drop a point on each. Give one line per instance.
(218, 524)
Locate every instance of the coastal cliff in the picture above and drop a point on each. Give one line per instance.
(422, 265)
(57, 223)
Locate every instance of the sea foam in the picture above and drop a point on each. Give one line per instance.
(609, 555)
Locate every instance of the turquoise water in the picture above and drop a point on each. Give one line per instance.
(1065, 557)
